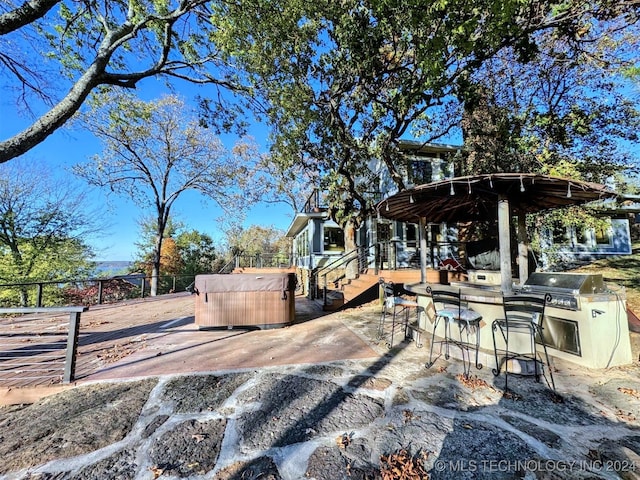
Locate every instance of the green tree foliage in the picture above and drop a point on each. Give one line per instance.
(256, 239)
(87, 44)
(342, 82)
(155, 151)
(569, 111)
(197, 251)
(43, 227)
(267, 245)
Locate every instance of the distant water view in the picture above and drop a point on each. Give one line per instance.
(111, 268)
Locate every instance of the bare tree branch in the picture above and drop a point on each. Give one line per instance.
(27, 13)
(154, 32)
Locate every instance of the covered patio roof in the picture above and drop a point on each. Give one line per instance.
(476, 197)
(490, 197)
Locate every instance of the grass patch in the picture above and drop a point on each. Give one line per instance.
(623, 270)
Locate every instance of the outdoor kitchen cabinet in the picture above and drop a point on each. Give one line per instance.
(244, 300)
(585, 320)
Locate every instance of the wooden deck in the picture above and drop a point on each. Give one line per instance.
(33, 347)
(157, 336)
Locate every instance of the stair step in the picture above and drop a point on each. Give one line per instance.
(350, 290)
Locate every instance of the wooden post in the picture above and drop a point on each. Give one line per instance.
(523, 250)
(505, 244)
(100, 293)
(423, 249)
(72, 347)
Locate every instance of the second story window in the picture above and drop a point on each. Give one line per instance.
(333, 239)
(420, 171)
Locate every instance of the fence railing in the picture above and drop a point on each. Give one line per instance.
(262, 261)
(359, 255)
(34, 350)
(93, 291)
(269, 260)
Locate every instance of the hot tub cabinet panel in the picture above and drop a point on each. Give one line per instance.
(244, 300)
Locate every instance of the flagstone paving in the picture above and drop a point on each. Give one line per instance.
(351, 418)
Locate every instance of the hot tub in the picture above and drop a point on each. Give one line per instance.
(244, 300)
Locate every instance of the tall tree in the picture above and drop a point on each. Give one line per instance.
(189, 253)
(342, 82)
(153, 152)
(570, 110)
(197, 251)
(86, 44)
(44, 224)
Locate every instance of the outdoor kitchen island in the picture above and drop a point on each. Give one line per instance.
(586, 325)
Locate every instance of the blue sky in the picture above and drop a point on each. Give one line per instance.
(67, 147)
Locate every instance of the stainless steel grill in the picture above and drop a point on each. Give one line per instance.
(565, 289)
(584, 317)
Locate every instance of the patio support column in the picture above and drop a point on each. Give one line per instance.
(523, 249)
(505, 244)
(422, 227)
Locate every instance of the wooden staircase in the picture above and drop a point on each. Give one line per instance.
(365, 288)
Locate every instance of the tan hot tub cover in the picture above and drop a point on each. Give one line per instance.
(244, 300)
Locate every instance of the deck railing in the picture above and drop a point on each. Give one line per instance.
(92, 291)
(31, 355)
(359, 255)
(261, 260)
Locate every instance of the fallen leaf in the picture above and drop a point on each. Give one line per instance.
(344, 440)
(157, 471)
(198, 437)
(629, 391)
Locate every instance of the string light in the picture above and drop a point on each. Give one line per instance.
(521, 184)
(387, 206)
(490, 181)
(411, 200)
(469, 181)
(568, 190)
(452, 191)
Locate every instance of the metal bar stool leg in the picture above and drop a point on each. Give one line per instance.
(464, 347)
(477, 330)
(433, 340)
(506, 361)
(548, 363)
(393, 327)
(383, 315)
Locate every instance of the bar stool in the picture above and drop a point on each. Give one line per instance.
(397, 307)
(450, 309)
(523, 316)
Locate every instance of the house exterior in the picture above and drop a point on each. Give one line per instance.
(613, 236)
(318, 243)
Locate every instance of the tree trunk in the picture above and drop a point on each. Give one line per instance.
(352, 270)
(60, 113)
(24, 297)
(24, 15)
(155, 268)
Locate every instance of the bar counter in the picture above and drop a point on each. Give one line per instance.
(487, 301)
(595, 335)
